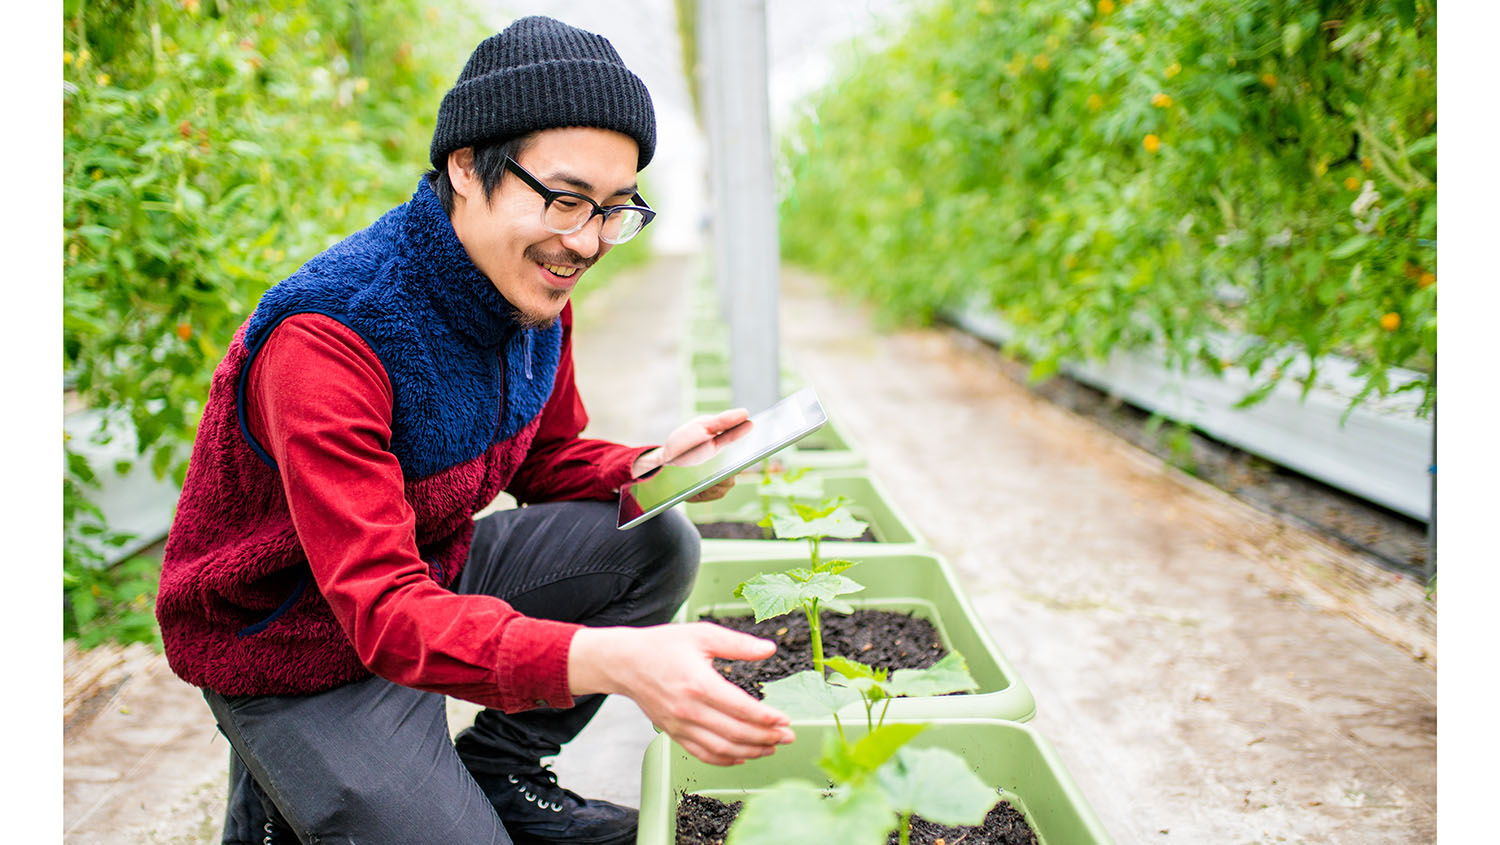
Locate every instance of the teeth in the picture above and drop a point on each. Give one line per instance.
(560, 271)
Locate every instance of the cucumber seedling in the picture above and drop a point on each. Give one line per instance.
(812, 588)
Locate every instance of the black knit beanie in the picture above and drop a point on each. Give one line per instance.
(541, 73)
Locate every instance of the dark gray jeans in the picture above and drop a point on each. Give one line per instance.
(371, 761)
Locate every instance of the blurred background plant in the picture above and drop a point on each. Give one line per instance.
(1116, 174)
(211, 147)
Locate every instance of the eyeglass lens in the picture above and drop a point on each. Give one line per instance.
(565, 215)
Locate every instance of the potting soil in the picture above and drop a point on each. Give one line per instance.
(751, 531)
(883, 638)
(705, 821)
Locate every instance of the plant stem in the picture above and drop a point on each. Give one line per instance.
(905, 828)
(817, 559)
(811, 609)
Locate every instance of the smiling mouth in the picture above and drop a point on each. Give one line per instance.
(559, 270)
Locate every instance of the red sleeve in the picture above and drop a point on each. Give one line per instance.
(560, 464)
(319, 401)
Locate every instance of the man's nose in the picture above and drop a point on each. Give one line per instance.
(586, 241)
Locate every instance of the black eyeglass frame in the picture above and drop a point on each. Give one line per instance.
(549, 196)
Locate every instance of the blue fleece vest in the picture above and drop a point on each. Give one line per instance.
(463, 373)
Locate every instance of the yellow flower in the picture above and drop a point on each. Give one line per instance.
(1106, 6)
(1095, 102)
(102, 79)
(1391, 321)
(1173, 69)
(1042, 62)
(67, 57)
(1269, 79)
(1427, 280)
(361, 85)
(1151, 143)
(83, 56)
(1161, 101)
(1351, 183)
(1365, 164)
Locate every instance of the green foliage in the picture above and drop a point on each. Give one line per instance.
(796, 807)
(880, 782)
(807, 695)
(112, 604)
(808, 522)
(772, 594)
(1130, 174)
(209, 149)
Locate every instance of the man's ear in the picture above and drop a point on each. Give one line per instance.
(461, 172)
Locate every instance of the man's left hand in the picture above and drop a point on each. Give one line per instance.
(694, 436)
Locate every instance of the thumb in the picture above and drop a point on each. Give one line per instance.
(726, 419)
(719, 641)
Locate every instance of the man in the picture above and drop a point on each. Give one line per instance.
(324, 581)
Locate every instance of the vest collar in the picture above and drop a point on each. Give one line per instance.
(439, 270)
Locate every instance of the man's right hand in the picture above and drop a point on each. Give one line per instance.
(668, 671)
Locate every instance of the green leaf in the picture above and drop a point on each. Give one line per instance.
(951, 674)
(1291, 38)
(785, 486)
(1350, 247)
(936, 784)
(773, 594)
(856, 816)
(840, 523)
(805, 695)
(836, 566)
(1406, 11)
(854, 669)
(878, 746)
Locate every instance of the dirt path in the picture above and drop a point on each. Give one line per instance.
(1197, 663)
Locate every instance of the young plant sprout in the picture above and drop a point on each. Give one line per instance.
(781, 490)
(876, 777)
(812, 589)
(807, 695)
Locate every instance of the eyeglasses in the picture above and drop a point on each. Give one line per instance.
(565, 212)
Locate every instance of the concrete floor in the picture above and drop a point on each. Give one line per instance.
(1197, 664)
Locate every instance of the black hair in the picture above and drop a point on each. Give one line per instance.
(489, 163)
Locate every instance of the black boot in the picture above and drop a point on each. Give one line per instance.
(537, 811)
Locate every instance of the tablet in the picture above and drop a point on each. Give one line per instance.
(708, 463)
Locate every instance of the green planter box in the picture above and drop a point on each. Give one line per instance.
(1011, 757)
(908, 581)
(868, 499)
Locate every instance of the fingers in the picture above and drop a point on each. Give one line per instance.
(716, 423)
(731, 726)
(733, 645)
(718, 491)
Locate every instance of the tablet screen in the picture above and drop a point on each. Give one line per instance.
(708, 463)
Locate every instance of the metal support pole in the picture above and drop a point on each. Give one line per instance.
(747, 253)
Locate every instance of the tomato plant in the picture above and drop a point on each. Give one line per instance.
(1141, 174)
(209, 149)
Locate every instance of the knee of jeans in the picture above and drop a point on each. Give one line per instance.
(675, 547)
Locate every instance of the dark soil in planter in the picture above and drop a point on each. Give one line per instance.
(751, 531)
(883, 638)
(705, 821)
